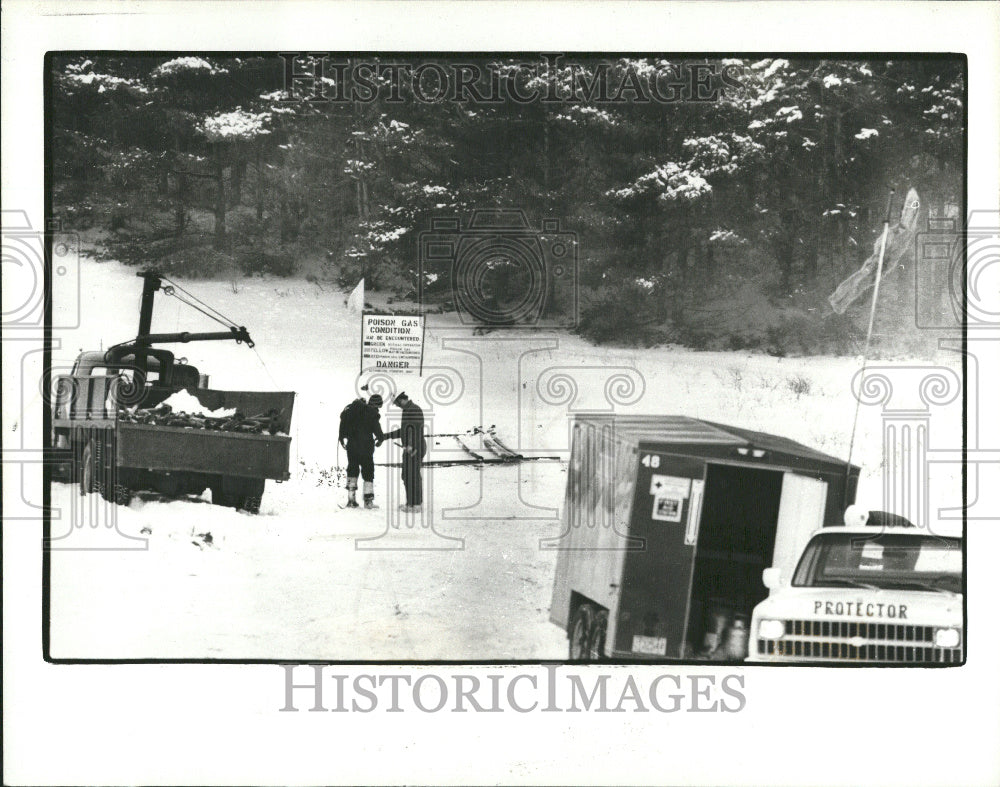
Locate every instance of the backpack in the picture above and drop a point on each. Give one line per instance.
(351, 414)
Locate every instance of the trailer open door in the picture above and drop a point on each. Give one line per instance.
(800, 513)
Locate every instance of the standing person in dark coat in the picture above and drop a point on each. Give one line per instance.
(359, 431)
(411, 435)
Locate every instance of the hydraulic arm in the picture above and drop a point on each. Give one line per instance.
(141, 346)
(153, 282)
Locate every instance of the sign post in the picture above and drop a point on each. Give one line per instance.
(392, 343)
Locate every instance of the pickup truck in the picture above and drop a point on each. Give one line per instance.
(867, 594)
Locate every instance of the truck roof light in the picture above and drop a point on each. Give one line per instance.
(855, 516)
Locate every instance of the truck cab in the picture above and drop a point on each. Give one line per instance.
(100, 381)
(881, 592)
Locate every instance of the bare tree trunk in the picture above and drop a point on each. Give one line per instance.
(238, 171)
(180, 205)
(785, 250)
(845, 241)
(219, 244)
(260, 186)
(837, 158)
(361, 187)
(545, 152)
(683, 254)
(812, 255)
(283, 221)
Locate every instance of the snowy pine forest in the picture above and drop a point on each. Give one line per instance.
(718, 224)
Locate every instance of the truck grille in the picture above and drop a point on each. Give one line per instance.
(831, 640)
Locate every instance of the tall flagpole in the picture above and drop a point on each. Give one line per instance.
(868, 336)
(878, 278)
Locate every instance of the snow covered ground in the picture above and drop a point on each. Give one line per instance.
(308, 580)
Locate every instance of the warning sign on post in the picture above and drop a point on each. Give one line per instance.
(392, 343)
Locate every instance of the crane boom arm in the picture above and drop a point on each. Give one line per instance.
(151, 283)
(236, 334)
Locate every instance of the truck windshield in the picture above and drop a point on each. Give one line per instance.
(882, 560)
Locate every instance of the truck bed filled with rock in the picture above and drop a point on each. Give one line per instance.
(185, 411)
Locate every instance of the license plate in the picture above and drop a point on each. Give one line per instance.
(653, 646)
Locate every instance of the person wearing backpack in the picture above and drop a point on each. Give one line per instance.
(360, 432)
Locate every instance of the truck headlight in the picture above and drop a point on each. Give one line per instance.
(947, 638)
(771, 629)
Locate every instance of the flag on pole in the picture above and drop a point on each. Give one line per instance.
(897, 242)
(356, 300)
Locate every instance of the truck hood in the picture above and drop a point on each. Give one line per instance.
(928, 608)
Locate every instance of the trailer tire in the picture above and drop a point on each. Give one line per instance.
(598, 635)
(580, 629)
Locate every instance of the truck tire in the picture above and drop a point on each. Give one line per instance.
(95, 475)
(240, 493)
(123, 494)
(89, 467)
(580, 629)
(251, 497)
(250, 504)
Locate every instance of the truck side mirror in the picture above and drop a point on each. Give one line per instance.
(771, 577)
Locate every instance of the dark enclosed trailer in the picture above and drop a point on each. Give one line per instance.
(668, 516)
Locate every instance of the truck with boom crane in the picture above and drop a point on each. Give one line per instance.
(115, 431)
